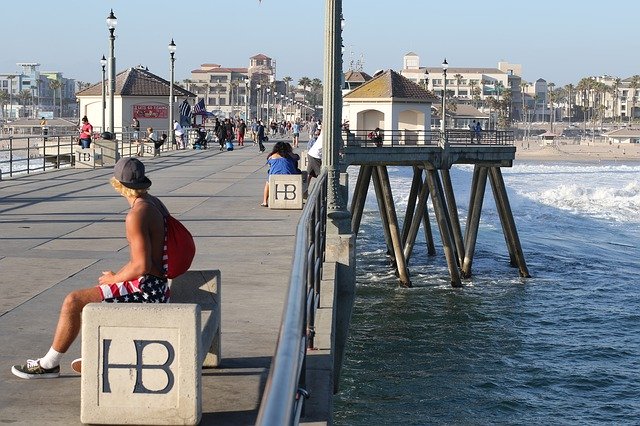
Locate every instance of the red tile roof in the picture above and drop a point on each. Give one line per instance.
(138, 82)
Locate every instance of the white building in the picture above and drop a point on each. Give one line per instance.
(139, 93)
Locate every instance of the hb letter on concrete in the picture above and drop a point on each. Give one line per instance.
(285, 192)
(140, 364)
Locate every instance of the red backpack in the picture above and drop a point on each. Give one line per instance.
(181, 248)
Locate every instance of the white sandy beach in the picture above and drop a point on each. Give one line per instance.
(561, 151)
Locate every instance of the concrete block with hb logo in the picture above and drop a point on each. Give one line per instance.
(141, 364)
(286, 191)
(88, 158)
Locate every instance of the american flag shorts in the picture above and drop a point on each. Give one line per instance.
(146, 289)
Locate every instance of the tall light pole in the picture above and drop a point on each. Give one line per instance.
(10, 78)
(445, 65)
(172, 51)
(246, 99)
(268, 105)
(103, 64)
(331, 129)
(112, 21)
(258, 99)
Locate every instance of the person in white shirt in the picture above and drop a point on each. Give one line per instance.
(179, 135)
(314, 158)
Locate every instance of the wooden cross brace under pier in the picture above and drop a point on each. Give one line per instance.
(458, 249)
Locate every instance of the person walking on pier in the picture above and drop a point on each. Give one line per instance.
(260, 135)
(478, 132)
(296, 133)
(242, 129)
(472, 130)
(141, 280)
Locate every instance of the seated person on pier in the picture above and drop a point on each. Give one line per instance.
(201, 142)
(151, 137)
(141, 280)
(158, 144)
(282, 161)
(376, 136)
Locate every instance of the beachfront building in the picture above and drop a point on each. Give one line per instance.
(234, 92)
(354, 79)
(139, 93)
(391, 103)
(36, 94)
(223, 89)
(623, 136)
(473, 86)
(608, 97)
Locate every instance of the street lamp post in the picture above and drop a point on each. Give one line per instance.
(332, 134)
(103, 64)
(258, 99)
(246, 99)
(172, 51)
(268, 105)
(112, 21)
(445, 65)
(10, 78)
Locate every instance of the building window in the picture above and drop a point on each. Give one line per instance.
(437, 81)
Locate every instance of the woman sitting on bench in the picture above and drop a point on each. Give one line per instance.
(282, 161)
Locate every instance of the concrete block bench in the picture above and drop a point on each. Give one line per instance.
(88, 158)
(286, 191)
(145, 148)
(142, 363)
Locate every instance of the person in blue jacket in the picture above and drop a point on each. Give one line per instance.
(281, 161)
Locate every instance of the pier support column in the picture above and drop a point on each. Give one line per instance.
(420, 212)
(383, 215)
(476, 198)
(416, 184)
(360, 197)
(394, 232)
(452, 208)
(437, 197)
(506, 218)
(426, 224)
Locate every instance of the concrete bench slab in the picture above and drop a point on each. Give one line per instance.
(286, 192)
(139, 364)
(142, 363)
(88, 158)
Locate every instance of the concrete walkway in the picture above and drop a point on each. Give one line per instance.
(59, 230)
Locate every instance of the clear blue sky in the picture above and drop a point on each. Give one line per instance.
(560, 41)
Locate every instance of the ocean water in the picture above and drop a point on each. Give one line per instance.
(562, 347)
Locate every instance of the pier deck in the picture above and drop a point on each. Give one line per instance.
(59, 230)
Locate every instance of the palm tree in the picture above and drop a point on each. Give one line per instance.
(4, 98)
(304, 82)
(316, 91)
(287, 82)
(550, 86)
(10, 78)
(570, 89)
(615, 88)
(56, 85)
(24, 96)
(523, 88)
(635, 84)
(474, 92)
(584, 87)
(458, 78)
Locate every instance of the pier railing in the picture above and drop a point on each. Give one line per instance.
(395, 138)
(28, 154)
(285, 391)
